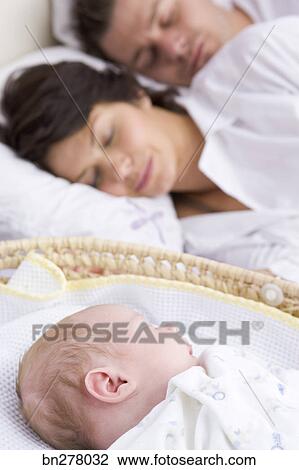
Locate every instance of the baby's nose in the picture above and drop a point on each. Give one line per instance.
(171, 329)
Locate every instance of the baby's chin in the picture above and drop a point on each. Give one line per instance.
(188, 363)
(195, 361)
(194, 358)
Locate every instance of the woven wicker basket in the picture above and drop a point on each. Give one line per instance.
(90, 257)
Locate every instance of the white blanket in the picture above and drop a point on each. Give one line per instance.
(231, 402)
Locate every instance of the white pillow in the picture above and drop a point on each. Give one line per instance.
(63, 23)
(53, 55)
(35, 203)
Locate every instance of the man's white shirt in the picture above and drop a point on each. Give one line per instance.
(246, 103)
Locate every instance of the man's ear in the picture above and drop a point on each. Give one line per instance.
(108, 386)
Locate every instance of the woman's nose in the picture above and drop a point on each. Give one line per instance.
(125, 167)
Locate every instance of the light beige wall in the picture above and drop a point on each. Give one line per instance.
(14, 16)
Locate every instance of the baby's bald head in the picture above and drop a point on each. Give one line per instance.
(84, 392)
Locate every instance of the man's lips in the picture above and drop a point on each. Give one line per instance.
(145, 176)
(196, 56)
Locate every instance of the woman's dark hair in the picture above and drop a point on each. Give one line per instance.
(45, 104)
(92, 20)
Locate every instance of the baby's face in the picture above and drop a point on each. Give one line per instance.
(147, 348)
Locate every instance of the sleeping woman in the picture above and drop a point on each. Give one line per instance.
(104, 130)
(234, 142)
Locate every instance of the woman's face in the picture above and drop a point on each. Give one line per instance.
(128, 152)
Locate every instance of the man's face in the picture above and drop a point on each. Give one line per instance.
(167, 40)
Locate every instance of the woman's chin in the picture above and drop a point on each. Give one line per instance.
(162, 182)
(164, 185)
(159, 190)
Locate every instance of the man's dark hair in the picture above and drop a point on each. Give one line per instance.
(92, 21)
(44, 104)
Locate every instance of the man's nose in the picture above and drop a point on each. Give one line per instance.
(172, 44)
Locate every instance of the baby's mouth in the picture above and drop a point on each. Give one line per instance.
(189, 346)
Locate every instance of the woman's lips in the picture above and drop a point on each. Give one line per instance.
(145, 177)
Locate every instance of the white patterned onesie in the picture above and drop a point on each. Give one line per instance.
(231, 402)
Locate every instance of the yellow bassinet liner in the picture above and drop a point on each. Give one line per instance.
(89, 257)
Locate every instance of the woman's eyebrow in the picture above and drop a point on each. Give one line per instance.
(153, 11)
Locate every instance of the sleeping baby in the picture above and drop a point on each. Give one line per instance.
(130, 385)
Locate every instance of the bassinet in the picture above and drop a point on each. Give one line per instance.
(88, 257)
(163, 285)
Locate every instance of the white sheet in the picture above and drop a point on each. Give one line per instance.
(263, 240)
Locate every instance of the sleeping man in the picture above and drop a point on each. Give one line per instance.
(119, 391)
(168, 40)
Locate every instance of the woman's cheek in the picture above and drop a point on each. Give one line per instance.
(115, 189)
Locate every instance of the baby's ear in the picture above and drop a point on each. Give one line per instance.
(108, 386)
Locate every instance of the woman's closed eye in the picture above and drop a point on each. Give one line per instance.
(105, 140)
(102, 132)
(96, 181)
(108, 138)
(91, 177)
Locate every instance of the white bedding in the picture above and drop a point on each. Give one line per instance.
(261, 240)
(34, 203)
